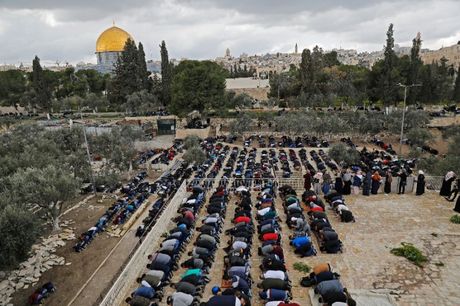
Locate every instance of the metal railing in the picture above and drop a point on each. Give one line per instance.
(120, 289)
(431, 183)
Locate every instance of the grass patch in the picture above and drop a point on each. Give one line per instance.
(300, 266)
(409, 251)
(455, 219)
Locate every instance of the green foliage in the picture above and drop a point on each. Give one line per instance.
(49, 187)
(130, 74)
(240, 125)
(302, 267)
(342, 153)
(191, 141)
(194, 155)
(440, 166)
(141, 102)
(12, 86)
(20, 228)
(41, 90)
(410, 252)
(197, 85)
(166, 75)
(456, 92)
(419, 137)
(455, 219)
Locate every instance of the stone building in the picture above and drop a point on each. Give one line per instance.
(109, 46)
(452, 54)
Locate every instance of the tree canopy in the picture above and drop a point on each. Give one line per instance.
(197, 85)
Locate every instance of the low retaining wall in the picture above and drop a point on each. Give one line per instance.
(121, 287)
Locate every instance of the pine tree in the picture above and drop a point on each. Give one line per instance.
(143, 74)
(126, 80)
(166, 74)
(456, 93)
(388, 82)
(41, 89)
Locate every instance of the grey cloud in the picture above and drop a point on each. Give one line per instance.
(67, 30)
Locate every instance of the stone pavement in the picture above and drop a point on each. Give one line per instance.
(383, 222)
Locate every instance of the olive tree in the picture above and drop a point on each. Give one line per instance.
(50, 188)
(341, 153)
(195, 155)
(19, 229)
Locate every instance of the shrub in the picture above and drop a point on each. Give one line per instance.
(455, 219)
(342, 153)
(191, 141)
(410, 252)
(194, 155)
(301, 267)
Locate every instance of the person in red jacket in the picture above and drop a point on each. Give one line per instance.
(240, 219)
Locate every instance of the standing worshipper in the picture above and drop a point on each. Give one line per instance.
(447, 184)
(420, 183)
(307, 180)
(327, 180)
(347, 182)
(357, 181)
(367, 183)
(376, 178)
(338, 186)
(457, 205)
(388, 180)
(402, 181)
(317, 182)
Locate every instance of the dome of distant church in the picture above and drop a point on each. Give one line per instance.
(112, 40)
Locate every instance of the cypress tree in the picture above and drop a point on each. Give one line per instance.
(456, 93)
(415, 64)
(388, 82)
(307, 74)
(166, 74)
(41, 89)
(143, 74)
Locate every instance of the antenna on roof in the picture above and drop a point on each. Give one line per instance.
(113, 22)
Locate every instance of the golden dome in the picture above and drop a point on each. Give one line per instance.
(112, 40)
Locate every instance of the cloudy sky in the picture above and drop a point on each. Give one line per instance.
(66, 30)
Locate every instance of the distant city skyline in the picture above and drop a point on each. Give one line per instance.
(66, 31)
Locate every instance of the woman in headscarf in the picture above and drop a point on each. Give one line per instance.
(420, 183)
(375, 182)
(457, 205)
(307, 180)
(388, 180)
(338, 186)
(447, 184)
(357, 182)
(367, 183)
(347, 182)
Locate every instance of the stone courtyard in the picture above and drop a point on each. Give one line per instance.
(383, 222)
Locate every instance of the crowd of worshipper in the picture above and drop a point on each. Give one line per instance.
(166, 186)
(375, 168)
(449, 189)
(189, 288)
(275, 285)
(327, 286)
(134, 195)
(235, 287)
(167, 155)
(164, 261)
